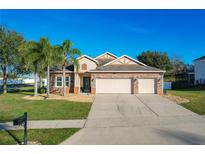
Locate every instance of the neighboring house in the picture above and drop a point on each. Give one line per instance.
(199, 70)
(108, 73)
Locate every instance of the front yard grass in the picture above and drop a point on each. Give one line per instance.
(196, 97)
(13, 105)
(36, 136)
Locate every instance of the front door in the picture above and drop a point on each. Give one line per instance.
(86, 84)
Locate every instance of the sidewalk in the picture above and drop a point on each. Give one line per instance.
(43, 124)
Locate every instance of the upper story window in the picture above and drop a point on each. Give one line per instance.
(84, 66)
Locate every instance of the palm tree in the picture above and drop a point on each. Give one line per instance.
(32, 60)
(70, 57)
(51, 55)
(41, 75)
(48, 56)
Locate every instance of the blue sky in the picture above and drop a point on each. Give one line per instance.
(180, 33)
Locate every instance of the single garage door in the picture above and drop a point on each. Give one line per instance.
(113, 86)
(146, 86)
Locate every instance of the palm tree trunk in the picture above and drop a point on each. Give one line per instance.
(64, 88)
(48, 75)
(41, 81)
(35, 84)
(4, 80)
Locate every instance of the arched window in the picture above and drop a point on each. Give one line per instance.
(84, 66)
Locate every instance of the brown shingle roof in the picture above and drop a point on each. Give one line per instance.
(60, 68)
(126, 68)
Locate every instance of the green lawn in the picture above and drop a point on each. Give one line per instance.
(13, 105)
(43, 136)
(196, 97)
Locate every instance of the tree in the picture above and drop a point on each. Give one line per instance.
(51, 56)
(9, 42)
(41, 75)
(190, 68)
(155, 59)
(48, 58)
(178, 66)
(70, 57)
(32, 60)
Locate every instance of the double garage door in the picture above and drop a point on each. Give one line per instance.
(124, 86)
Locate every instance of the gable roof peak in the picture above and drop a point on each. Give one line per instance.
(88, 57)
(105, 54)
(136, 61)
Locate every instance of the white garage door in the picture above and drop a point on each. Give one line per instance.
(146, 86)
(113, 86)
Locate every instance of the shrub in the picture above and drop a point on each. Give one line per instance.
(42, 90)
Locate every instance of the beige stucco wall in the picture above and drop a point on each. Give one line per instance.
(76, 80)
(90, 64)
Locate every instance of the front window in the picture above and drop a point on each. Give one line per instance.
(67, 80)
(59, 81)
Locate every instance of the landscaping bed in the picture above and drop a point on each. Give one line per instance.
(68, 97)
(177, 99)
(196, 97)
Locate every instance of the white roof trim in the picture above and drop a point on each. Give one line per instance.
(127, 57)
(88, 58)
(106, 53)
(130, 71)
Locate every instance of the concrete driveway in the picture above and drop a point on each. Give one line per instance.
(140, 119)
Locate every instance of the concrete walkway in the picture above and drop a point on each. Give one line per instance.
(141, 119)
(43, 124)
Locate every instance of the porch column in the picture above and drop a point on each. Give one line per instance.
(135, 85)
(93, 84)
(160, 84)
(76, 83)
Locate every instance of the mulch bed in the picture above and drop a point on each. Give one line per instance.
(177, 99)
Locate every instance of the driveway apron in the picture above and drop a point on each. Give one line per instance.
(162, 106)
(141, 119)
